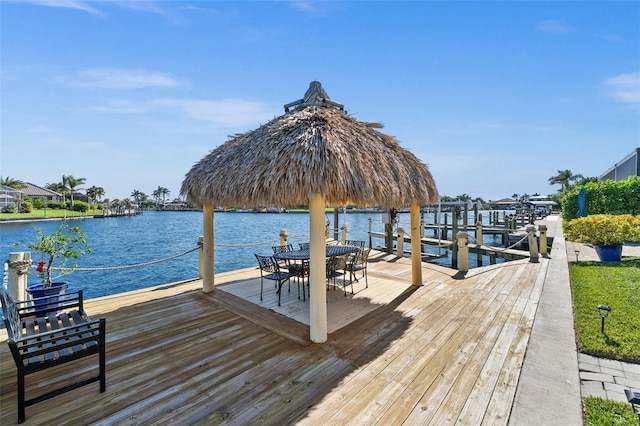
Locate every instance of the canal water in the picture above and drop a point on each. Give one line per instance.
(120, 242)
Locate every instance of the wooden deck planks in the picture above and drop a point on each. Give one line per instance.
(448, 351)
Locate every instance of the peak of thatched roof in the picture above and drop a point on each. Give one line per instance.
(314, 96)
(315, 93)
(310, 150)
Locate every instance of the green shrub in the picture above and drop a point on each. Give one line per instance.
(38, 203)
(80, 206)
(603, 229)
(56, 206)
(604, 197)
(9, 209)
(26, 207)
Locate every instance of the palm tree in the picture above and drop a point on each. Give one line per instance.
(161, 192)
(71, 184)
(564, 178)
(95, 193)
(12, 183)
(139, 197)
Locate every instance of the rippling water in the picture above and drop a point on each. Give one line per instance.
(122, 241)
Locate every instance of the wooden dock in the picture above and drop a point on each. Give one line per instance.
(509, 253)
(447, 352)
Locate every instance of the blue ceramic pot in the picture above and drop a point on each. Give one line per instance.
(46, 299)
(609, 253)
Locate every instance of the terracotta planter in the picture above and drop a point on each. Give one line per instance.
(609, 253)
(46, 299)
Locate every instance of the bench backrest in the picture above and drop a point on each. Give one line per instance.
(12, 320)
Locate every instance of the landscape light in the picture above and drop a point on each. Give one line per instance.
(634, 399)
(603, 310)
(577, 253)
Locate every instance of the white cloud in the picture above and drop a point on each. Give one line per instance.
(224, 112)
(625, 88)
(67, 4)
(148, 6)
(555, 26)
(304, 6)
(228, 112)
(122, 78)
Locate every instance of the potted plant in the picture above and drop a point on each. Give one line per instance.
(64, 244)
(606, 232)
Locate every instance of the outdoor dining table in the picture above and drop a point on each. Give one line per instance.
(303, 254)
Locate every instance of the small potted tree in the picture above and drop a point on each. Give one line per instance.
(64, 244)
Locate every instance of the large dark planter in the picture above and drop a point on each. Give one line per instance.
(47, 299)
(609, 253)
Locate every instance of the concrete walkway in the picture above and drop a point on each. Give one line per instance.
(555, 377)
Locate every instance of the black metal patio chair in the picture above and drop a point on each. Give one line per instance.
(270, 270)
(357, 263)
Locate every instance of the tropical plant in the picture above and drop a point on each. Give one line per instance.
(603, 229)
(160, 193)
(71, 184)
(564, 178)
(12, 183)
(65, 243)
(95, 193)
(138, 196)
(56, 187)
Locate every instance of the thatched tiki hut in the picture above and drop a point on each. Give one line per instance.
(316, 155)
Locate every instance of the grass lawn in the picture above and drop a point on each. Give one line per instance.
(616, 284)
(48, 213)
(605, 412)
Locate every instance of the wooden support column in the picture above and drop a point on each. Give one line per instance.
(543, 240)
(343, 228)
(283, 237)
(208, 250)
(533, 244)
(18, 267)
(463, 251)
(317, 271)
(479, 242)
(416, 247)
(454, 247)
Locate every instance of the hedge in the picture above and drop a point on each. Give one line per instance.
(604, 197)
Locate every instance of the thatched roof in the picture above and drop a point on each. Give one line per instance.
(315, 148)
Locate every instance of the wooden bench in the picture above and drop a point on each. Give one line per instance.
(61, 332)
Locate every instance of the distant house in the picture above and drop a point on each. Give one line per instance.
(34, 191)
(542, 204)
(628, 166)
(9, 197)
(505, 204)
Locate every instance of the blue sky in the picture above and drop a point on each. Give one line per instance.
(495, 97)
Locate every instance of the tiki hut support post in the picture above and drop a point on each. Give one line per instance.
(416, 247)
(207, 247)
(317, 273)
